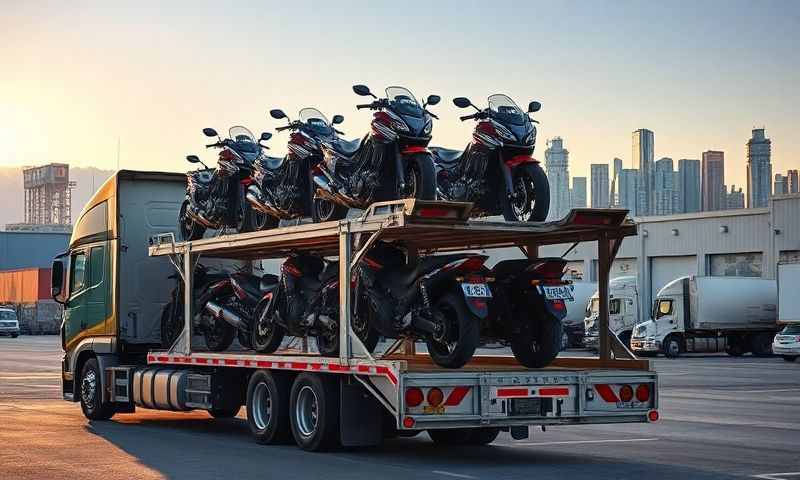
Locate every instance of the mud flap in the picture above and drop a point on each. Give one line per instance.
(360, 416)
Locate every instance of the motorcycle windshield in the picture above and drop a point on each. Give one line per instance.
(316, 121)
(244, 142)
(241, 134)
(403, 102)
(505, 111)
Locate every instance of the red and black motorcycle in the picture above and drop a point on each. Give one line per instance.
(496, 171)
(390, 162)
(281, 187)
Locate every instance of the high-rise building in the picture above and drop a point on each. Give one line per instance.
(578, 193)
(781, 185)
(759, 169)
(688, 186)
(556, 161)
(664, 188)
(713, 181)
(643, 155)
(791, 182)
(627, 190)
(600, 185)
(734, 198)
(613, 191)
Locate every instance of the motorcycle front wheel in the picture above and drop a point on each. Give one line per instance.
(460, 335)
(327, 211)
(531, 200)
(420, 178)
(190, 230)
(266, 334)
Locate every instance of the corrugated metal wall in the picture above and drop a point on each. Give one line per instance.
(25, 286)
(30, 249)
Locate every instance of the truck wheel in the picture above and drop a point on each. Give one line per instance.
(761, 344)
(790, 358)
(268, 407)
(460, 333)
(537, 349)
(223, 413)
(735, 346)
(219, 335)
(92, 404)
(672, 347)
(314, 412)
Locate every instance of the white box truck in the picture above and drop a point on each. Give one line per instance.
(710, 314)
(623, 311)
(576, 311)
(788, 301)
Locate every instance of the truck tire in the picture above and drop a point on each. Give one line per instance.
(761, 344)
(268, 406)
(790, 358)
(314, 412)
(92, 404)
(537, 347)
(464, 436)
(734, 346)
(223, 413)
(672, 346)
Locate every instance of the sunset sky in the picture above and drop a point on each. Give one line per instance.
(75, 76)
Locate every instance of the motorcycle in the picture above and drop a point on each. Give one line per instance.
(215, 198)
(281, 187)
(496, 171)
(392, 161)
(439, 298)
(306, 303)
(535, 287)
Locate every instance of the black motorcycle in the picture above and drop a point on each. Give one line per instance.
(281, 187)
(306, 303)
(439, 298)
(172, 315)
(215, 198)
(496, 171)
(390, 162)
(527, 308)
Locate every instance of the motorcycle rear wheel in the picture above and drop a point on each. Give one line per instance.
(532, 191)
(266, 335)
(219, 335)
(537, 346)
(462, 330)
(171, 324)
(190, 230)
(327, 211)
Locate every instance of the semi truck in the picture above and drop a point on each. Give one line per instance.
(115, 279)
(623, 312)
(710, 314)
(574, 328)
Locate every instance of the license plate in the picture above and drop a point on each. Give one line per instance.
(526, 406)
(480, 290)
(562, 292)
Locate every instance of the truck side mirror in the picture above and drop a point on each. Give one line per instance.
(57, 290)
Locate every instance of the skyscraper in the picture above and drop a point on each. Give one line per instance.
(614, 190)
(643, 148)
(578, 193)
(713, 180)
(734, 199)
(627, 189)
(688, 186)
(664, 188)
(600, 185)
(791, 182)
(759, 169)
(557, 164)
(781, 185)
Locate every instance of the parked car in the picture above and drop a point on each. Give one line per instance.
(787, 342)
(9, 323)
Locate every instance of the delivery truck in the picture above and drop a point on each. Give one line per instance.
(623, 311)
(122, 265)
(788, 298)
(710, 314)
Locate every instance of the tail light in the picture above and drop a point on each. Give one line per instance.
(652, 415)
(548, 269)
(642, 393)
(469, 264)
(558, 305)
(435, 397)
(626, 393)
(414, 397)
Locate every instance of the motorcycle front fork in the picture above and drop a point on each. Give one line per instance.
(401, 171)
(507, 178)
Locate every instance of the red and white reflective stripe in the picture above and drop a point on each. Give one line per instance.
(374, 370)
(456, 396)
(532, 392)
(606, 393)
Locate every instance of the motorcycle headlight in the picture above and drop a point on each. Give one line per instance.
(428, 127)
(401, 126)
(530, 139)
(504, 132)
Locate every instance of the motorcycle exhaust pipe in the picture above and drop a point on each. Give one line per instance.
(325, 192)
(198, 217)
(257, 200)
(218, 311)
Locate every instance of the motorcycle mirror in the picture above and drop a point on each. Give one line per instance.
(193, 159)
(210, 132)
(277, 114)
(432, 100)
(461, 102)
(534, 107)
(265, 136)
(337, 119)
(363, 91)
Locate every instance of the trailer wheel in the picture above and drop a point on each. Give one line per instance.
(761, 344)
(464, 436)
(92, 404)
(314, 412)
(268, 406)
(672, 347)
(536, 347)
(735, 346)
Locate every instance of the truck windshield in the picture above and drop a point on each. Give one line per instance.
(8, 315)
(663, 308)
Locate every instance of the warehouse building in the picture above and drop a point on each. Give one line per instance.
(27, 249)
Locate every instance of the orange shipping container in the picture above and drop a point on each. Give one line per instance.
(25, 286)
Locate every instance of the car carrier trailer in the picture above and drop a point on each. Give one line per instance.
(360, 398)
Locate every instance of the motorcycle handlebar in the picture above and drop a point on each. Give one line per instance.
(363, 105)
(467, 117)
(280, 129)
(217, 144)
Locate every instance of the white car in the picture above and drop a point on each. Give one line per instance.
(787, 342)
(9, 324)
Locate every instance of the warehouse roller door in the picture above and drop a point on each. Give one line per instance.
(666, 269)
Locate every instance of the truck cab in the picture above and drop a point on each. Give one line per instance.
(623, 311)
(667, 318)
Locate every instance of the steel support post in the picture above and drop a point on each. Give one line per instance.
(188, 300)
(604, 267)
(345, 296)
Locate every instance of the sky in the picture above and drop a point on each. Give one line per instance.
(77, 78)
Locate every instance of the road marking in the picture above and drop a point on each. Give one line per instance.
(451, 474)
(777, 476)
(575, 442)
(760, 391)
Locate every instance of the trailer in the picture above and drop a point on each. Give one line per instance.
(360, 398)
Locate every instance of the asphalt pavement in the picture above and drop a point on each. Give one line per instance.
(721, 418)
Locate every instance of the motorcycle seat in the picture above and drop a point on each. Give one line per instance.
(270, 163)
(253, 285)
(446, 157)
(408, 274)
(509, 268)
(347, 147)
